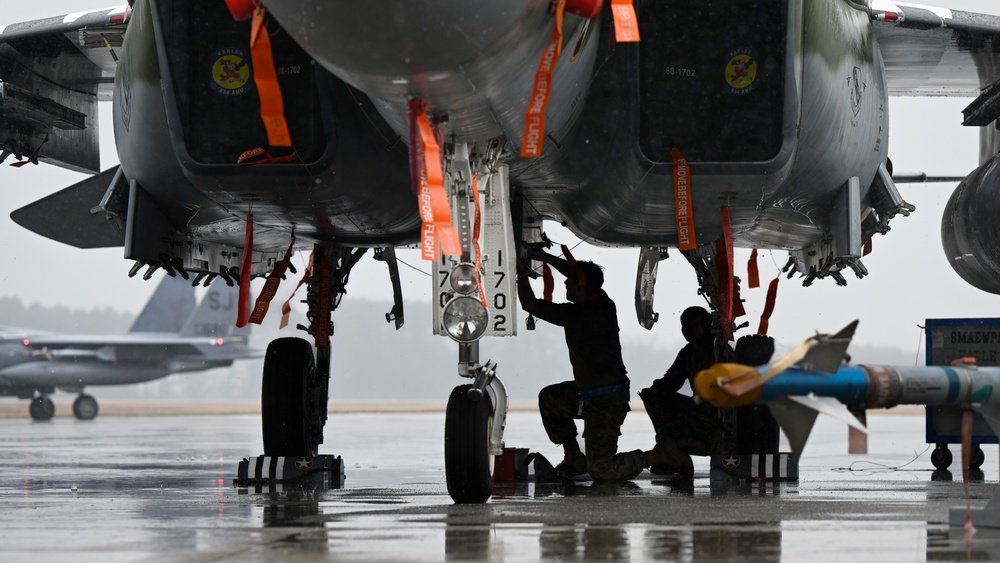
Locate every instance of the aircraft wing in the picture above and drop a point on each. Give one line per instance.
(54, 71)
(137, 347)
(83, 341)
(930, 51)
(8, 333)
(126, 345)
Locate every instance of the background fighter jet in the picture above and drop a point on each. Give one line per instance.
(169, 336)
(695, 125)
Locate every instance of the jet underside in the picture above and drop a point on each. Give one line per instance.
(776, 141)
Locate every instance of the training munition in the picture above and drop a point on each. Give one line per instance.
(725, 385)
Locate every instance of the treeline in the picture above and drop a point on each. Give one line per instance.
(99, 320)
(373, 362)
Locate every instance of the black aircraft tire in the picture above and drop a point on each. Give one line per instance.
(941, 457)
(85, 407)
(289, 367)
(468, 464)
(42, 408)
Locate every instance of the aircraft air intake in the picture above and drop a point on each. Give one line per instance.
(733, 87)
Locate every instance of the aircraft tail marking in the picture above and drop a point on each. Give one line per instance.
(214, 315)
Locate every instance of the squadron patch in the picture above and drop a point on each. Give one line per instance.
(231, 72)
(741, 71)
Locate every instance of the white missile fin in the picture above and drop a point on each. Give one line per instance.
(827, 352)
(796, 421)
(796, 416)
(831, 407)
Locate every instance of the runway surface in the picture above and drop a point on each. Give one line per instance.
(159, 488)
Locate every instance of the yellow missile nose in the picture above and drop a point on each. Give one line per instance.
(710, 384)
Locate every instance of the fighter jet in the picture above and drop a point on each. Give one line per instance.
(247, 130)
(169, 336)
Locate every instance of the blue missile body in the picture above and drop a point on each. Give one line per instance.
(849, 385)
(867, 386)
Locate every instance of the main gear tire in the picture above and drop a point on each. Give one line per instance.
(287, 417)
(468, 462)
(85, 407)
(42, 408)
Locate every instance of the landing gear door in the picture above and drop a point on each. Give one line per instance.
(499, 258)
(645, 280)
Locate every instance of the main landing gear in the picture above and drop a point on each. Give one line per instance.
(42, 408)
(296, 383)
(474, 297)
(295, 386)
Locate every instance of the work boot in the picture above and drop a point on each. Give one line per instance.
(573, 464)
(666, 458)
(660, 469)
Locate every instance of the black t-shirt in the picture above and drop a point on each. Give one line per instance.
(591, 328)
(693, 357)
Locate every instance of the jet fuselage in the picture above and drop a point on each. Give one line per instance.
(775, 107)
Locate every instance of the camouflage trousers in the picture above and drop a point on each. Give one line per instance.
(560, 405)
(698, 429)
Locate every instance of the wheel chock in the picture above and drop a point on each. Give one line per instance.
(277, 473)
(762, 467)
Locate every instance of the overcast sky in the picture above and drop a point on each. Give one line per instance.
(910, 279)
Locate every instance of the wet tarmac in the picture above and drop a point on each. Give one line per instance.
(160, 489)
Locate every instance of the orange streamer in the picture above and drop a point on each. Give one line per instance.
(626, 24)
(534, 117)
(270, 288)
(476, 227)
(683, 209)
(435, 210)
(753, 274)
(772, 295)
(272, 106)
(286, 307)
(246, 264)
